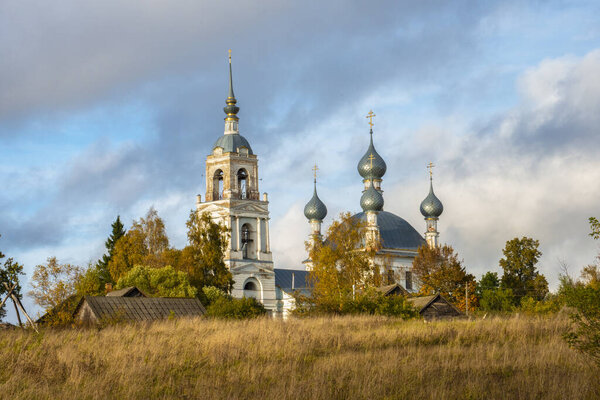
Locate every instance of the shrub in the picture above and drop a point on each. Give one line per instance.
(158, 282)
(585, 332)
(227, 307)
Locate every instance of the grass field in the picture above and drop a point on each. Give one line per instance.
(325, 358)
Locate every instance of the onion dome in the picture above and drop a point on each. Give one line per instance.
(315, 209)
(371, 165)
(431, 207)
(371, 199)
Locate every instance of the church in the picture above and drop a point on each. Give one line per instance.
(233, 199)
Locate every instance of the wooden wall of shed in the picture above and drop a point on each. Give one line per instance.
(85, 315)
(440, 309)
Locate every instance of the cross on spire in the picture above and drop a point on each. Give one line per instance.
(430, 168)
(370, 116)
(229, 56)
(371, 158)
(315, 169)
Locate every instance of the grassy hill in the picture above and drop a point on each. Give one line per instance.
(325, 358)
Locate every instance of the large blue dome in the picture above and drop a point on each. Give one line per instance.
(395, 232)
(231, 143)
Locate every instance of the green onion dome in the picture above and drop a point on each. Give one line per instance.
(315, 209)
(431, 207)
(371, 199)
(371, 165)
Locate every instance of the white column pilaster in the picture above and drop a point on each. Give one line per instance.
(268, 250)
(238, 233)
(258, 238)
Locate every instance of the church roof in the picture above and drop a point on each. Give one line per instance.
(371, 165)
(232, 142)
(395, 232)
(431, 207)
(284, 278)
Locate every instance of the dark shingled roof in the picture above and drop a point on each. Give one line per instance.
(395, 232)
(232, 143)
(392, 289)
(142, 308)
(131, 291)
(283, 278)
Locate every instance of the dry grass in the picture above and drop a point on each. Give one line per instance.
(325, 358)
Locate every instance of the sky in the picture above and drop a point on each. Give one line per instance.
(109, 108)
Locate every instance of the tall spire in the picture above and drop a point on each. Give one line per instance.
(231, 109)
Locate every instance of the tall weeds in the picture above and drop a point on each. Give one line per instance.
(320, 358)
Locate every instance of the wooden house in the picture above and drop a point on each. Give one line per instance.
(435, 307)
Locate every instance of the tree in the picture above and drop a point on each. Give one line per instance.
(53, 285)
(222, 305)
(158, 282)
(439, 270)
(144, 244)
(584, 298)
(203, 258)
(488, 281)
(520, 272)
(117, 233)
(342, 265)
(9, 273)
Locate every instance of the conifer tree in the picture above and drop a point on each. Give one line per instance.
(520, 271)
(117, 233)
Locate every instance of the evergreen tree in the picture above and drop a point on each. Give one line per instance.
(520, 272)
(117, 233)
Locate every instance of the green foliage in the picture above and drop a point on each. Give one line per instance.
(595, 226)
(550, 305)
(9, 273)
(92, 282)
(370, 302)
(211, 294)
(118, 231)
(496, 300)
(227, 307)
(158, 282)
(488, 281)
(520, 272)
(203, 258)
(585, 332)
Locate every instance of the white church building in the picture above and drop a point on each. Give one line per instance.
(233, 199)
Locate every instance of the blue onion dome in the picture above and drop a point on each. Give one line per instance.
(315, 209)
(431, 207)
(371, 165)
(371, 199)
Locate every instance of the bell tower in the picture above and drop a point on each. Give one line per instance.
(233, 198)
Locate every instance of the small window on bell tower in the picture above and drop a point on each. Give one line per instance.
(218, 185)
(242, 177)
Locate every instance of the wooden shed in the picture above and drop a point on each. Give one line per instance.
(91, 309)
(435, 307)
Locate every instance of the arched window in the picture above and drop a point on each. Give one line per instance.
(247, 242)
(242, 178)
(252, 289)
(218, 185)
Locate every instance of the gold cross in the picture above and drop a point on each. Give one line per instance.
(229, 56)
(370, 116)
(430, 168)
(371, 158)
(315, 169)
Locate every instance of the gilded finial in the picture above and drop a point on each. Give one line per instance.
(315, 169)
(430, 168)
(229, 56)
(370, 116)
(231, 109)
